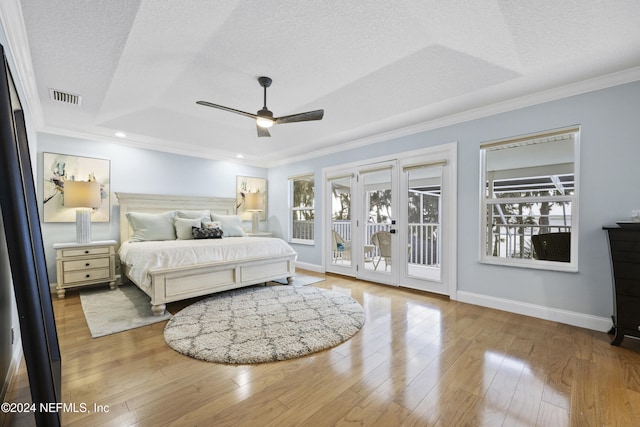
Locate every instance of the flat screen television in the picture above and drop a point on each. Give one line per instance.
(25, 254)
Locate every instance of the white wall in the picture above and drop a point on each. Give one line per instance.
(135, 170)
(609, 190)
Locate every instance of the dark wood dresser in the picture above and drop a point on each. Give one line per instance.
(624, 245)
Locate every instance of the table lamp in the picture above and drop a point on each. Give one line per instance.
(84, 196)
(254, 202)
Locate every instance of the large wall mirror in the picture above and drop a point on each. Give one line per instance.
(529, 200)
(25, 255)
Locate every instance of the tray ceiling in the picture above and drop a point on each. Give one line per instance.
(373, 66)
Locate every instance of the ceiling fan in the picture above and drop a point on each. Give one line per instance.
(264, 118)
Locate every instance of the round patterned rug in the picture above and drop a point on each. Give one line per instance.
(264, 324)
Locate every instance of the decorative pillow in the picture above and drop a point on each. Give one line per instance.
(211, 224)
(206, 233)
(204, 215)
(183, 227)
(231, 224)
(150, 226)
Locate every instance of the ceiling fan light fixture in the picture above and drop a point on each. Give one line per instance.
(264, 122)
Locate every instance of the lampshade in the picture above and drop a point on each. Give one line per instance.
(84, 196)
(81, 194)
(253, 202)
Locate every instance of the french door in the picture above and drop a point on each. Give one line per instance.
(377, 224)
(423, 200)
(393, 221)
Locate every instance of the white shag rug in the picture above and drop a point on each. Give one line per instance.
(109, 311)
(264, 324)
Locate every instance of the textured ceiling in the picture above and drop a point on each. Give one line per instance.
(374, 66)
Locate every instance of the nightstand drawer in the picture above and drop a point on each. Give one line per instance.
(103, 250)
(85, 264)
(87, 275)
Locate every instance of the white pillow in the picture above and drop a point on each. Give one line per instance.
(183, 228)
(204, 215)
(150, 226)
(231, 225)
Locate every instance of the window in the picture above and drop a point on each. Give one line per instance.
(529, 200)
(301, 205)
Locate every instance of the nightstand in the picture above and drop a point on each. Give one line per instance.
(81, 264)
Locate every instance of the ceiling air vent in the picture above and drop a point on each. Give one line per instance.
(67, 98)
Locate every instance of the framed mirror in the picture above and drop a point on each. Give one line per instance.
(25, 255)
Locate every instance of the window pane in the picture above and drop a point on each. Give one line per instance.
(423, 212)
(302, 208)
(512, 226)
(340, 249)
(302, 194)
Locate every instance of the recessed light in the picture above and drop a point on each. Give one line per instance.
(121, 134)
(239, 156)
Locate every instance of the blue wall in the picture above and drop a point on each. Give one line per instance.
(609, 190)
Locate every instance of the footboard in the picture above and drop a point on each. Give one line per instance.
(179, 283)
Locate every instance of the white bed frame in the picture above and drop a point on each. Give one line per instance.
(178, 283)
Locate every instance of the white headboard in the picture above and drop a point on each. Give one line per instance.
(156, 203)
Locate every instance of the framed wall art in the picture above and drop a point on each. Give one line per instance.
(58, 168)
(247, 184)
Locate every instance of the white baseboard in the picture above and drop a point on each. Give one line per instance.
(602, 324)
(311, 267)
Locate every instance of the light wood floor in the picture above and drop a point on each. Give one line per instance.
(419, 360)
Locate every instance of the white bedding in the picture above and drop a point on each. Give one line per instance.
(140, 257)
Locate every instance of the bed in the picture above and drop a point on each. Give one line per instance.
(179, 269)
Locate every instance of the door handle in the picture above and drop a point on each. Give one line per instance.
(392, 231)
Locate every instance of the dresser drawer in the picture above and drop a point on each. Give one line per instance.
(87, 275)
(85, 264)
(99, 250)
(630, 287)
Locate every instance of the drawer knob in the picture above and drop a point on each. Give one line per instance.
(87, 276)
(87, 265)
(86, 252)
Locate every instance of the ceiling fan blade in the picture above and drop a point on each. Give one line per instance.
(262, 132)
(222, 107)
(300, 117)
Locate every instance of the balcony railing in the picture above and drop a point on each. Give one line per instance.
(302, 230)
(514, 240)
(422, 245)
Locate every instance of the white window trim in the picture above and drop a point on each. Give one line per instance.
(571, 266)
